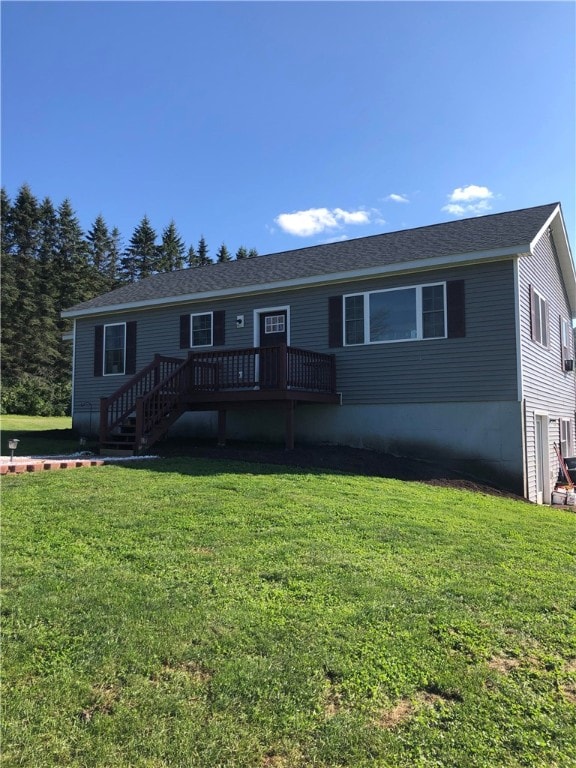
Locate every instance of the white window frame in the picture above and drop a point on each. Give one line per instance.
(419, 315)
(566, 339)
(201, 314)
(278, 320)
(566, 437)
(541, 334)
(105, 372)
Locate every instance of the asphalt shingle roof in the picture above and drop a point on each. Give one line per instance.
(465, 236)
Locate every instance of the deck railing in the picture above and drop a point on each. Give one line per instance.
(278, 367)
(162, 390)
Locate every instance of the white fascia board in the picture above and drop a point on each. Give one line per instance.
(556, 223)
(324, 279)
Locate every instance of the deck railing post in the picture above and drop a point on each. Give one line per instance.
(283, 367)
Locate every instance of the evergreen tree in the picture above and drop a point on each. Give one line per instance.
(77, 280)
(9, 288)
(252, 253)
(223, 254)
(140, 259)
(20, 314)
(192, 259)
(241, 253)
(171, 251)
(49, 308)
(112, 270)
(203, 257)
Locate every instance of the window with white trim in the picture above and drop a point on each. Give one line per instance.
(201, 330)
(565, 437)
(540, 320)
(274, 323)
(396, 314)
(565, 340)
(114, 349)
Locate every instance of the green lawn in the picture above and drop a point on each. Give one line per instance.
(39, 434)
(205, 614)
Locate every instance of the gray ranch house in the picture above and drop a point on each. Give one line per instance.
(449, 341)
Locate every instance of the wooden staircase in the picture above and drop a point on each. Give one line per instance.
(139, 413)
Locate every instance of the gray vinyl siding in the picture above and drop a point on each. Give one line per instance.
(481, 367)
(546, 387)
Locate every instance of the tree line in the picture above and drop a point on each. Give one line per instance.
(48, 264)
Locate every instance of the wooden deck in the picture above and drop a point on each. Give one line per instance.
(141, 411)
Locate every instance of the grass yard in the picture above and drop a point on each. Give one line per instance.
(39, 434)
(197, 613)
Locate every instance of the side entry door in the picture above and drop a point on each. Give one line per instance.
(273, 333)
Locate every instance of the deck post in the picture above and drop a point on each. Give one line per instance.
(103, 427)
(289, 425)
(139, 431)
(221, 428)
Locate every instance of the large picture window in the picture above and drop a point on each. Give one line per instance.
(398, 314)
(114, 349)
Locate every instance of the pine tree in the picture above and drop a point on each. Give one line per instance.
(171, 251)
(223, 254)
(101, 254)
(140, 259)
(112, 271)
(20, 313)
(192, 258)
(241, 253)
(9, 288)
(48, 300)
(203, 257)
(252, 253)
(78, 280)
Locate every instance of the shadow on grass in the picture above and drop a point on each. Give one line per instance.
(250, 458)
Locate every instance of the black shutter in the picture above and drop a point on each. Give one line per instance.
(456, 307)
(184, 331)
(218, 328)
(335, 321)
(131, 348)
(98, 350)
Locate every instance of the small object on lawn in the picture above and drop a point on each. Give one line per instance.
(13, 445)
(559, 496)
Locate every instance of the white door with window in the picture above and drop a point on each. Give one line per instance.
(542, 458)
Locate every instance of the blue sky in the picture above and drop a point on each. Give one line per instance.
(278, 125)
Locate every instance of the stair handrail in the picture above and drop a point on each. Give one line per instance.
(143, 428)
(106, 425)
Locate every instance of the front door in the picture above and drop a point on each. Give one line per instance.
(273, 333)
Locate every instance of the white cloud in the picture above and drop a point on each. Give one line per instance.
(471, 192)
(394, 198)
(476, 201)
(316, 220)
